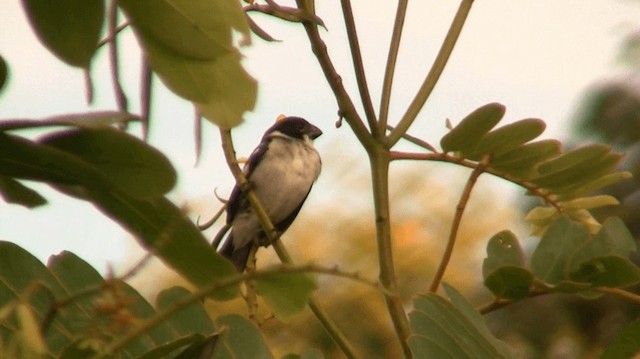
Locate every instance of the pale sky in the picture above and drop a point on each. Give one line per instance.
(535, 56)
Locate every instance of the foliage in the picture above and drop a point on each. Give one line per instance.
(67, 310)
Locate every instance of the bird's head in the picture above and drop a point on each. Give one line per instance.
(295, 127)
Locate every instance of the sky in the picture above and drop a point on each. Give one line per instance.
(538, 57)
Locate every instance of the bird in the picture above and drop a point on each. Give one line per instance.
(280, 171)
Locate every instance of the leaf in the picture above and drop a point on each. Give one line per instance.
(241, 339)
(444, 329)
(286, 293)
(192, 319)
(221, 88)
(613, 239)
(548, 261)
(4, 72)
(583, 188)
(70, 29)
(563, 182)
(130, 164)
(509, 282)
(197, 29)
(626, 344)
(522, 160)
(470, 130)
(607, 271)
(570, 159)
(29, 330)
(164, 350)
(15, 192)
(507, 138)
(161, 227)
(503, 250)
(590, 202)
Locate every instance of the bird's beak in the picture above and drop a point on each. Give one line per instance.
(313, 132)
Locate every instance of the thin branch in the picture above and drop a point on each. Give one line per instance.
(434, 73)
(416, 141)
(345, 105)
(146, 83)
(389, 71)
(444, 157)
(107, 39)
(336, 334)
(620, 293)
(358, 66)
(455, 226)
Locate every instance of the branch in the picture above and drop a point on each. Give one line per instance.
(121, 98)
(389, 71)
(443, 157)
(345, 105)
(434, 73)
(358, 66)
(336, 334)
(455, 226)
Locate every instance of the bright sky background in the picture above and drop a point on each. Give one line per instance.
(536, 56)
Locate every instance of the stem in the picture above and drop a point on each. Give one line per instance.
(455, 226)
(380, 177)
(358, 66)
(332, 329)
(345, 105)
(389, 72)
(434, 73)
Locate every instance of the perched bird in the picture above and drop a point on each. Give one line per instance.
(281, 172)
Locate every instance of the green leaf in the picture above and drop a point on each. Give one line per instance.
(451, 329)
(196, 29)
(522, 160)
(507, 138)
(569, 159)
(13, 191)
(626, 344)
(70, 29)
(509, 282)
(4, 72)
(561, 183)
(470, 130)
(613, 239)
(221, 89)
(241, 339)
(163, 351)
(161, 227)
(130, 164)
(549, 260)
(590, 202)
(286, 293)
(586, 187)
(192, 319)
(609, 271)
(503, 250)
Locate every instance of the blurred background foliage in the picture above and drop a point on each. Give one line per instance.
(551, 326)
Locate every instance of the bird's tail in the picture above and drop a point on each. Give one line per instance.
(238, 256)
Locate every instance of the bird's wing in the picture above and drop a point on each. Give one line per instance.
(285, 223)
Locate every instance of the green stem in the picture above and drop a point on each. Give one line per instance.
(358, 66)
(455, 226)
(434, 73)
(389, 72)
(380, 178)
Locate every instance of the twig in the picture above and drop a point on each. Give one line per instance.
(434, 73)
(389, 71)
(416, 141)
(107, 39)
(358, 66)
(548, 197)
(336, 334)
(146, 83)
(345, 105)
(620, 293)
(455, 226)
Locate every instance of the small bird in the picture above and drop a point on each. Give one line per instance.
(281, 172)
